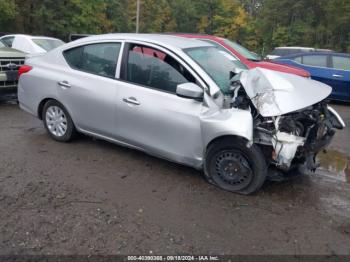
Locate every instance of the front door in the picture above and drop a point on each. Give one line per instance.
(149, 113)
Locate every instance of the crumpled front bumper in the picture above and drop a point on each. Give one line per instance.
(294, 151)
(310, 151)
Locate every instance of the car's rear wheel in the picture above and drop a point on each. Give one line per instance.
(57, 121)
(233, 166)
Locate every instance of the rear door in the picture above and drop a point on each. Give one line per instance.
(88, 87)
(341, 76)
(149, 113)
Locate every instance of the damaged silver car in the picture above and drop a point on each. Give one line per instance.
(182, 100)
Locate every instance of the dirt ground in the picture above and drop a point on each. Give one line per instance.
(93, 197)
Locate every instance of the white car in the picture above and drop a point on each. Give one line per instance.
(31, 44)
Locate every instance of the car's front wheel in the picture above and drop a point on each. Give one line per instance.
(233, 166)
(58, 122)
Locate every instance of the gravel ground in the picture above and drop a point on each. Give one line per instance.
(93, 197)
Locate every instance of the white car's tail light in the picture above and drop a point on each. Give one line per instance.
(24, 69)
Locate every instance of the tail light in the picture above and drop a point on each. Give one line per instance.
(23, 69)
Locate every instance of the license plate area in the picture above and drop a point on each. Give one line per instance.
(11, 75)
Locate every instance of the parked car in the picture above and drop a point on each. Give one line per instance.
(291, 50)
(251, 60)
(31, 44)
(10, 60)
(174, 98)
(330, 68)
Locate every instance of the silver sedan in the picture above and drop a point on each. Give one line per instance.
(183, 100)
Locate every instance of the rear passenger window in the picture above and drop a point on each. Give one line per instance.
(8, 40)
(340, 62)
(151, 67)
(298, 59)
(99, 59)
(315, 60)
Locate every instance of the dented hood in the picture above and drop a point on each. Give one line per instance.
(275, 93)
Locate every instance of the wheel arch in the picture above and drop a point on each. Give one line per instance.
(44, 101)
(225, 137)
(41, 106)
(230, 123)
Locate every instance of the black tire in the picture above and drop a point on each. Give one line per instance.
(69, 132)
(233, 166)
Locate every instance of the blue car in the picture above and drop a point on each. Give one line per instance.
(332, 69)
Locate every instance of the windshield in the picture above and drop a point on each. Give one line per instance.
(217, 63)
(1, 44)
(242, 50)
(47, 44)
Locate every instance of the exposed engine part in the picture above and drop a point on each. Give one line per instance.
(292, 126)
(285, 146)
(297, 137)
(288, 140)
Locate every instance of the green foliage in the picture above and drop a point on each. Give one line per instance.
(258, 24)
(7, 11)
(59, 18)
(156, 16)
(185, 14)
(231, 21)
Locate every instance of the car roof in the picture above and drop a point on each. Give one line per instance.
(194, 35)
(295, 47)
(315, 53)
(30, 36)
(166, 40)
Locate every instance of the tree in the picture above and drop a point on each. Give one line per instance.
(231, 20)
(155, 16)
(60, 18)
(115, 13)
(257, 24)
(185, 14)
(207, 10)
(8, 13)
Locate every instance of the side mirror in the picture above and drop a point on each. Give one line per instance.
(189, 90)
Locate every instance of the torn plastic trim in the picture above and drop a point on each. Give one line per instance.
(336, 115)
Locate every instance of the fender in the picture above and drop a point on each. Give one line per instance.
(225, 122)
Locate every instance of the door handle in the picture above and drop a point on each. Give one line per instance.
(338, 76)
(64, 84)
(131, 100)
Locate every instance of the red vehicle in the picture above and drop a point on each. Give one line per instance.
(248, 58)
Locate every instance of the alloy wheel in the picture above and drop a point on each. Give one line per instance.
(56, 121)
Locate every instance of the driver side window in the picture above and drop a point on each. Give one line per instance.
(153, 68)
